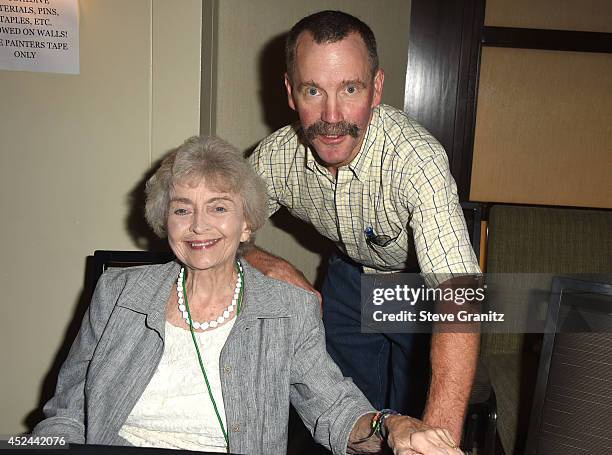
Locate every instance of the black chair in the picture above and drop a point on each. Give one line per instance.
(572, 406)
(472, 211)
(481, 419)
(103, 259)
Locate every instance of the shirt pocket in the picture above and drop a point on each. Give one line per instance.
(397, 252)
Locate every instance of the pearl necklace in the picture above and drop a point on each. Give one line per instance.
(236, 301)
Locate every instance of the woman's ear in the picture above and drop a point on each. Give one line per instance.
(246, 233)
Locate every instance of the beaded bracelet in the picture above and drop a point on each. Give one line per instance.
(378, 422)
(375, 424)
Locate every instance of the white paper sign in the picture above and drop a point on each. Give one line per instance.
(39, 35)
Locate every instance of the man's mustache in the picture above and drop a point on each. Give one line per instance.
(331, 129)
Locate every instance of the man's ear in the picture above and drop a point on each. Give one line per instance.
(289, 92)
(379, 80)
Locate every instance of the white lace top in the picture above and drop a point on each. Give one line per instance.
(175, 410)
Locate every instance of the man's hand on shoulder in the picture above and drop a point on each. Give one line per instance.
(277, 268)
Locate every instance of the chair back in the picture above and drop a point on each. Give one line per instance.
(572, 405)
(103, 259)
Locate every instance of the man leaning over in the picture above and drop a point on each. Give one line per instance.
(377, 184)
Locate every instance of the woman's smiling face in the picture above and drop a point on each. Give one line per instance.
(205, 226)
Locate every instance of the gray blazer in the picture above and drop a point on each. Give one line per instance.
(275, 354)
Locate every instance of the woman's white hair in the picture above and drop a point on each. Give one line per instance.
(221, 164)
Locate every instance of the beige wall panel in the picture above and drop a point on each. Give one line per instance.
(176, 73)
(250, 52)
(208, 66)
(543, 130)
(73, 147)
(585, 15)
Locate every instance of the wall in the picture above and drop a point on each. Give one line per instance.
(543, 134)
(583, 15)
(251, 99)
(73, 148)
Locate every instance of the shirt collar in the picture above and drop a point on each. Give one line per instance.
(362, 161)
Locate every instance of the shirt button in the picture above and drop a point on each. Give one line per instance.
(235, 428)
(227, 369)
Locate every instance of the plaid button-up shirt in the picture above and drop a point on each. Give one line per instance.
(398, 187)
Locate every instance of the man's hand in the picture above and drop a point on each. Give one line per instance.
(285, 271)
(279, 269)
(408, 436)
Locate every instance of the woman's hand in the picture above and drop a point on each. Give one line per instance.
(408, 436)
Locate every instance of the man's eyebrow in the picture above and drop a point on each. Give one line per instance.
(308, 84)
(358, 82)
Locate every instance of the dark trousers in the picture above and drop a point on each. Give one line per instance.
(383, 365)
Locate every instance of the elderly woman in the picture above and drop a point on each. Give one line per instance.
(205, 353)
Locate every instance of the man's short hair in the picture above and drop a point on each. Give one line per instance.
(330, 27)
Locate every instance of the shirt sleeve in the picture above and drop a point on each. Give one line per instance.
(441, 238)
(261, 161)
(64, 413)
(328, 403)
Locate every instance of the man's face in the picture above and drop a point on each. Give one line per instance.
(333, 91)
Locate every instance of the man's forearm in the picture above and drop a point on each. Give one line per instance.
(262, 260)
(276, 267)
(453, 362)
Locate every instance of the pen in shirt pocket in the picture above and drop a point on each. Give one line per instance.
(378, 240)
